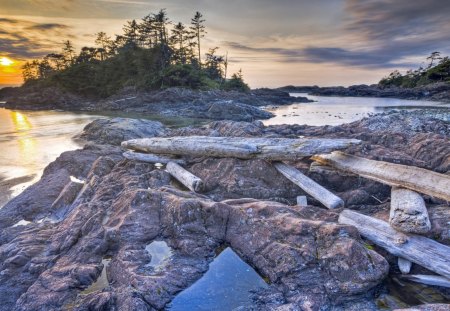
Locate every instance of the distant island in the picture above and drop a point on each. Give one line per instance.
(431, 82)
(153, 53)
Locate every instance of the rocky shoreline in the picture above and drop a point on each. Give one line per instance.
(434, 92)
(173, 102)
(309, 260)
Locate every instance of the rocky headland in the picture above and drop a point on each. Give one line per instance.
(434, 92)
(172, 102)
(55, 236)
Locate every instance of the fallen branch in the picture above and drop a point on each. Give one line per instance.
(408, 212)
(150, 158)
(275, 149)
(309, 186)
(411, 177)
(189, 180)
(418, 249)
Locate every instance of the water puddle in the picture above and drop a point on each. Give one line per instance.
(160, 253)
(225, 286)
(404, 294)
(101, 282)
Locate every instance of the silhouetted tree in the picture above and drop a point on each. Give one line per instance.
(69, 53)
(434, 56)
(104, 43)
(198, 30)
(178, 41)
(131, 32)
(213, 64)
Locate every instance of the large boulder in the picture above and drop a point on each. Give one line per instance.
(114, 131)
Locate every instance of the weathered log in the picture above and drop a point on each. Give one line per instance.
(418, 249)
(404, 265)
(408, 211)
(435, 280)
(309, 186)
(328, 170)
(150, 158)
(239, 147)
(189, 180)
(411, 177)
(302, 200)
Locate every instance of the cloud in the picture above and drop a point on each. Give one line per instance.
(23, 39)
(47, 27)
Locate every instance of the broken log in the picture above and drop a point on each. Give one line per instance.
(418, 249)
(309, 186)
(302, 200)
(276, 149)
(408, 212)
(404, 265)
(411, 177)
(189, 180)
(150, 158)
(435, 280)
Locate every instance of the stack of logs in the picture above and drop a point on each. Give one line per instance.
(408, 215)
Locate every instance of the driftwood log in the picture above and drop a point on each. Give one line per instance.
(435, 280)
(408, 211)
(418, 249)
(302, 200)
(404, 265)
(276, 149)
(150, 158)
(185, 177)
(309, 186)
(411, 177)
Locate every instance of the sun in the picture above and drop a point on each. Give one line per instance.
(5, 61)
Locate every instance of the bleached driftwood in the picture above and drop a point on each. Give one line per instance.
(328, 170)
(150, 158)
(302, 200)
(418, 249)
(435, 280)
(411, 177)
(239, 147)
(408, 211)
(309, 186)
(186, 178)
(404, 265)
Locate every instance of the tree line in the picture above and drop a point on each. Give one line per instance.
(151, 53)
(436, 70)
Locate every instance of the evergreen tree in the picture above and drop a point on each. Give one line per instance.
(69, 53)
(131, 32)
(104, 43)
(198, 30)
(178, 41)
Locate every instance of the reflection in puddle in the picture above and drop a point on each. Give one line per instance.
(226, 286)
(403, 294)
(101, 282)
(160, 252)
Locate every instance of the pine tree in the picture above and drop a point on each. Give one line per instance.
(131, 32)
(198, 30)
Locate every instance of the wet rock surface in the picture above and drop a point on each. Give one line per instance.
(114, 131)
(173, 102)
(310, 261)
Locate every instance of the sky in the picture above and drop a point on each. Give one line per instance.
(275, 43)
